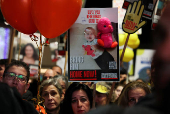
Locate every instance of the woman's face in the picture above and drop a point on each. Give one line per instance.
(52, 97)
(134, 95)
(80, 102)
(29, 51)
(118, 91)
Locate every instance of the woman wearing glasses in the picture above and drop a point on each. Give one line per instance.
(17, 75)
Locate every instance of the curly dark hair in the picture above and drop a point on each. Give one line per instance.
(67, 109)
(5, 61)
(35, 55)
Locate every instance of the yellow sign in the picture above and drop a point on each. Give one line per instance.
(132, 20)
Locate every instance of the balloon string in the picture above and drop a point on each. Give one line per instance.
(121, 58)
(38, 100)
(40, 55)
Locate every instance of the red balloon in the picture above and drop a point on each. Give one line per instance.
(54, 17)
(18, 14)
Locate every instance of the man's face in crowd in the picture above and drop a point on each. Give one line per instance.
(2, 68)
(123, 76)
(48, 74)
(100, 99)
(63, 85)
(57, 70)
(18, 82)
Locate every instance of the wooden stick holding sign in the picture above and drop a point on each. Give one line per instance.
(94, 95)
(132, 21)
(121, 58)
(65, 64)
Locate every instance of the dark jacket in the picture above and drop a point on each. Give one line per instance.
(108, 109)
(11, 102)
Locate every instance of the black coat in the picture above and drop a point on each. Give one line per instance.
(11, 102)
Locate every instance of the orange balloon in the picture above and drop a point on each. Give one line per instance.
(18, 14)
(54, 17)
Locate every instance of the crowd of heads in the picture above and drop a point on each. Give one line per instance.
(77, 97)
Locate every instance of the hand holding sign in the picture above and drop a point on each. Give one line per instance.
(131, 22)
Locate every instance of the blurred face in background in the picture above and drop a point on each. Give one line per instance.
(48, 74)
(134, 95)
(63, 85)
(2, 68)
(118, 91)
(57, 70)
(123, 76)
(29, 51)
(100, 99)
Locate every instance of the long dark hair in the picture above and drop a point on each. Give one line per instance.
(67, 109)
(35, 55)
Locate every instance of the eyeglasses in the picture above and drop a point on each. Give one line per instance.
(12, 76)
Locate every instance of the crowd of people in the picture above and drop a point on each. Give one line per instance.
(62, 97)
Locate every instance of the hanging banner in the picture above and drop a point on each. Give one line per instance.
(87, 60)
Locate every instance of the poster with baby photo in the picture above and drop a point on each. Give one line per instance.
(93, 46)
(149, 6)
(28, 52)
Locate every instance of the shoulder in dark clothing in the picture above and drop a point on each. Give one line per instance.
(12, 103)
(108, 109)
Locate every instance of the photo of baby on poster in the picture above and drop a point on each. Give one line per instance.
(93, 46)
